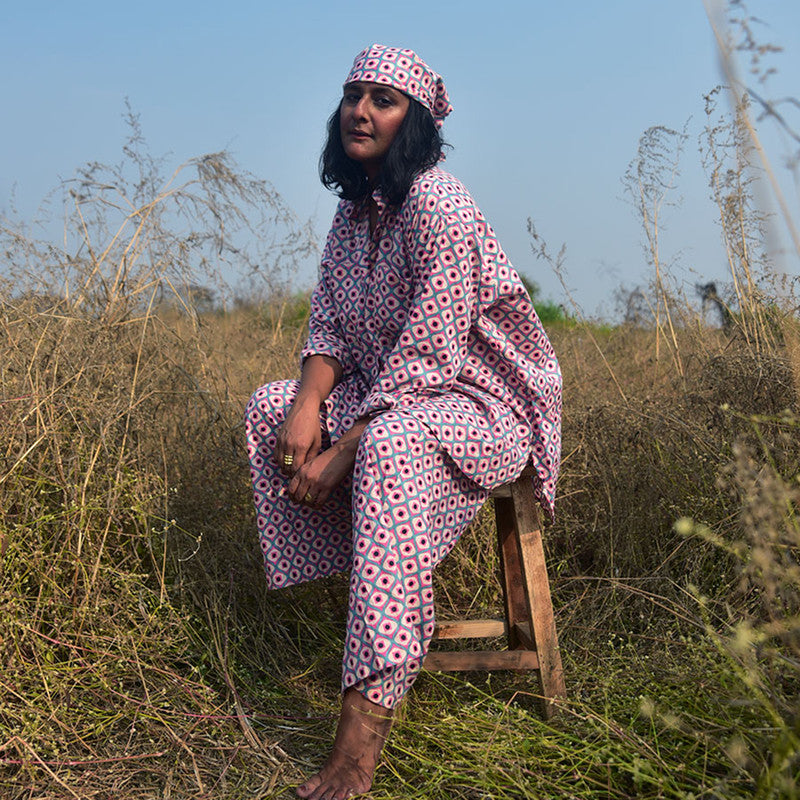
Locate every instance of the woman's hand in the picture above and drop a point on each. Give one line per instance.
(320, 475)
(317, 478)
(299, 438)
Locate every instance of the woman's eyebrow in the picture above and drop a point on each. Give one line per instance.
(387, 91)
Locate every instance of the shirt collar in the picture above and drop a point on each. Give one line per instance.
(357, 209)
(377, 196)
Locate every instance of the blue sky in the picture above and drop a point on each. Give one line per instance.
(550, 101)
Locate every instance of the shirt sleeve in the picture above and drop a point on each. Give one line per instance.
(432, 345)
(324, 333)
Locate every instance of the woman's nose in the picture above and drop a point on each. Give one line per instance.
(360, 110)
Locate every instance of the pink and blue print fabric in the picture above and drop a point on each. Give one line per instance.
(441, 348)
(427, 314)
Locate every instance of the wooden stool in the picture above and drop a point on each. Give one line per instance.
(529, 623)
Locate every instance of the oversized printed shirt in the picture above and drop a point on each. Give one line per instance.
(426, 315)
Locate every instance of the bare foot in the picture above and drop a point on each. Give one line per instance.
(360, 736)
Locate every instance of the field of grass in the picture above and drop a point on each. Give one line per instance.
(143, 657)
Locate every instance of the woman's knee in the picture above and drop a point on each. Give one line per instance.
(269, 404)
(391, 437)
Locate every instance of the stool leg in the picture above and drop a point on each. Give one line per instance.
(537, 591)
(516, 604)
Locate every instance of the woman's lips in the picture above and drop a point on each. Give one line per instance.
(360, 135)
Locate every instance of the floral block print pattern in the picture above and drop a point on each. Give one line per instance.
(442, 350)
(426, 313)
(391, 525)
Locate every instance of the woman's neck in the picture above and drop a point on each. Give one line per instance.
(372, 171)
(373, 215)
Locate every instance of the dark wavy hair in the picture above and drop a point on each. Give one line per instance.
(417, 146)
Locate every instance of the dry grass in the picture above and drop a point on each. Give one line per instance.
(104, 674)
(144, 657)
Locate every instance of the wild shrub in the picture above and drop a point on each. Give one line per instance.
(115, 417)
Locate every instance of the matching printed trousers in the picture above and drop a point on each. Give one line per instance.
(391, 523)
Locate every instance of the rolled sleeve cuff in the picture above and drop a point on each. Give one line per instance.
(316, 347)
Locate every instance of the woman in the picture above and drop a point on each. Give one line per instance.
(427, 380)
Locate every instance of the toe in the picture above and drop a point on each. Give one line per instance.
(306, 789)
(322, 791)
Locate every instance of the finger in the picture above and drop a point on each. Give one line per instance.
(311, 450)
(304, 492)
(301, 490)
(288, 463)
(286, 456)
(297, 456)
(281, 451)
(307, 493)
(319, 498)
(293, 486)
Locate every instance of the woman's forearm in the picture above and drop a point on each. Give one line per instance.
(320, 374)
(299, 437)
(315, 473)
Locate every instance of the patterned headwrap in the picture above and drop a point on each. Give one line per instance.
(406, 71)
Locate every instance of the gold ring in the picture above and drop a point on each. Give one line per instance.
(308, 498)
(288, 460)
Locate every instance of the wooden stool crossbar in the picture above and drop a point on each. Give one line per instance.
(529, 624)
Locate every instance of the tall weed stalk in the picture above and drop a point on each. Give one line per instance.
(113, 410)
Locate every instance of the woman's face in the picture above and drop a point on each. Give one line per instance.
(370, 116)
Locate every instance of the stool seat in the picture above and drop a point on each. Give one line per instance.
(529, 624)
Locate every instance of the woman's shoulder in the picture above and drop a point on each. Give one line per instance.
(436, 184)
(436, 191)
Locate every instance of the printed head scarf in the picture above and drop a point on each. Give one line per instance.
(406, 71)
